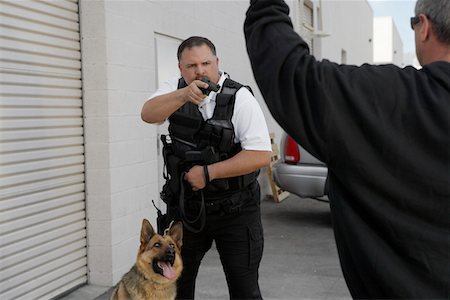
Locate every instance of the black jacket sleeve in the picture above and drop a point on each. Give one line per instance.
(321, 104)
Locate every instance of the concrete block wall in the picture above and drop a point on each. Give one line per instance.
(118, 61)
(118, 68)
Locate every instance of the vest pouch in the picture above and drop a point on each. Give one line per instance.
(184, 126)
(171, 188)
(226, 142)
(174, 171)
(180, 146)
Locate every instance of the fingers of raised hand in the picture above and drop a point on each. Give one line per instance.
(194, 94)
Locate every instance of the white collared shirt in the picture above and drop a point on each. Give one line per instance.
(248, 120)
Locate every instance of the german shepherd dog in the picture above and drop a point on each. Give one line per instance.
(158, 266)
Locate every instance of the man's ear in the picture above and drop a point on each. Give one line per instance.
(425, 28)
(146, 232)
(176, 232)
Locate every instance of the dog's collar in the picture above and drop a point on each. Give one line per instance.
(166, 231)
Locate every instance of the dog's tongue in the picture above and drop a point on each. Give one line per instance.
(168, 271)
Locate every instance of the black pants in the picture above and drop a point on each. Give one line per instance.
(239, 239)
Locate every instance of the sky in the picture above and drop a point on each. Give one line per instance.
(401, 11)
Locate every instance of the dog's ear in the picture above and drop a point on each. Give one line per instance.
(176, 232)
(146, 232)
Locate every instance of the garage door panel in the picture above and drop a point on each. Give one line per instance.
(41, 256)
(40, 144)
(57, 268)
(33, 90)
(43, 133)
(34, 50)
(21, 267)
(40, 207)
(41, 123)
(9, 77)
(38, 186)
(25, 112)
(41, 165)
(70, 5)
(13, 30)
(35, 101)
(43, 217)
(23, 58)
(51, 70)
(26, 233)
(40, 13)
(10, 23)
(45, 175)
(41, 238)
(47, 194)
(72, 270)
(47, 265)
(15, 157)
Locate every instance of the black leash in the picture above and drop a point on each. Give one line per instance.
(201, 215)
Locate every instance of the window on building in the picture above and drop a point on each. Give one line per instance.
(306, 16)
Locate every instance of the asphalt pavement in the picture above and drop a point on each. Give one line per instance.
(300, 258)
(299, 262)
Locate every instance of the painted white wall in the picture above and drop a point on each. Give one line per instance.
(383, 40)
(350, 28)
(388, 45)
(397, 43)
(118, 73)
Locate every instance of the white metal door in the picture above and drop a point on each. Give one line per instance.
(42, 200)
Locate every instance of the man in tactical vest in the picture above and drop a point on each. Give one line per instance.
(218, 140)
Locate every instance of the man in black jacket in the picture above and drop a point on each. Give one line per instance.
(384, 134)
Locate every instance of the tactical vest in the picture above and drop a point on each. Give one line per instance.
(194, 141)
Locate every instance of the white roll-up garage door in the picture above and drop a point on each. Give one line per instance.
(42, 200)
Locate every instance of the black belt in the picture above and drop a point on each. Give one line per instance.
(228, 202)
(209, 203)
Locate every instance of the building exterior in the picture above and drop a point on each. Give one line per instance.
(388, 45)
(78, 167)
(350, 29)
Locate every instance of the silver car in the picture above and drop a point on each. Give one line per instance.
(298, 172)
